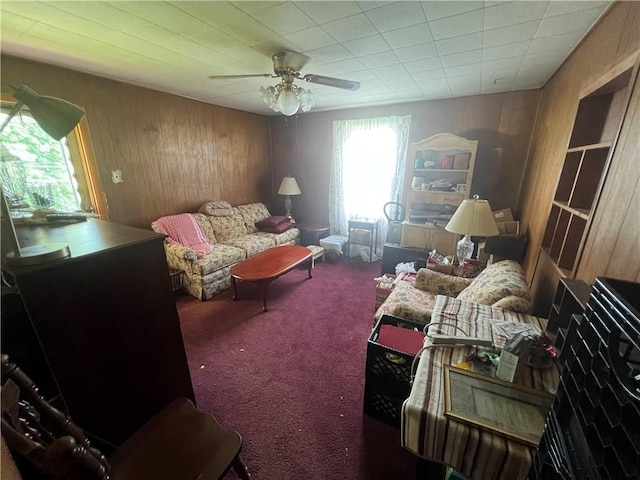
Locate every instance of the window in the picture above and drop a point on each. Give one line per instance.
(367, 170)
(369, 164)
(37, 171)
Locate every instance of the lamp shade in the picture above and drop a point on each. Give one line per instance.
(55, 116)
(289, 186)
(473, 217)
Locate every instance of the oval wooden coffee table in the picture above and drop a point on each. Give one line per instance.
(265, 267)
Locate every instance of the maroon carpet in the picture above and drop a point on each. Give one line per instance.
(291, 380)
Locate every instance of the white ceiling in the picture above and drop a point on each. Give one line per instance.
(399, 51)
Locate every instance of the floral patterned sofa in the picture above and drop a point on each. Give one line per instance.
(232, 236)
(501, 285)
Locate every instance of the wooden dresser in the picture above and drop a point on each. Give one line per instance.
(107, 322)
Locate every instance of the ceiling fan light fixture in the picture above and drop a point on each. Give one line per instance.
(306, 99)
(287, 98)
(288, 101)
(269, 97)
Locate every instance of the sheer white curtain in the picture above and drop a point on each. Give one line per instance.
(367, 170)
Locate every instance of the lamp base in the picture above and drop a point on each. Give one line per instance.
(464, 249)
(287, 206)
(37, 254)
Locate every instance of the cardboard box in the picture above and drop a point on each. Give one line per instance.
(509, 228)
(503, 215)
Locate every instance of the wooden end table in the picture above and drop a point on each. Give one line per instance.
(314, 231)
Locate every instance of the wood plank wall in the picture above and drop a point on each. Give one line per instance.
(174, 153)
(502, 124)
(612, 247)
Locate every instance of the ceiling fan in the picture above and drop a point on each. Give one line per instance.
(286, 97)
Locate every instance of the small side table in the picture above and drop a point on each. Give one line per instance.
(369, 225)
(313, 232)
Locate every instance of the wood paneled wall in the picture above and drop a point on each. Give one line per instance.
(174, 153)
(502, 124)
(612, 247)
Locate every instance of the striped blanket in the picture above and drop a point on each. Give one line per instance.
(430, 434)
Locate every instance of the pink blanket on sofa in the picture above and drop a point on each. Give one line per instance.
(183, 229)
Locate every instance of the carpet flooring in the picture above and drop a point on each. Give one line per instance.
(291, 380)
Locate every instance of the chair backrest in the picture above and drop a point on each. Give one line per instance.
(42, 434)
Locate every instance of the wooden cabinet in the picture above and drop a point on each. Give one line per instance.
(438, 178)
(428, 237)
(596, 126)
(107, 323)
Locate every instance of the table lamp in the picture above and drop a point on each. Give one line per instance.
(289, 187)
(57, 117)
(472, 218)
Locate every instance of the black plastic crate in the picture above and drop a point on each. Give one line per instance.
(383, 405)
(386, 366)
(387, 373)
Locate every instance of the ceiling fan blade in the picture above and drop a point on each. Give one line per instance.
(332, 82)
(266, 75)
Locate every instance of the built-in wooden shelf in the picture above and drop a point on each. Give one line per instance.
(580, 212)
(590, 147)
(587, 159)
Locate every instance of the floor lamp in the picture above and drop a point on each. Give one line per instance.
(57, 118)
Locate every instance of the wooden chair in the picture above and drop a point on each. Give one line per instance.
(179, 442)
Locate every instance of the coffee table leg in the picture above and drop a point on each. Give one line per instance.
(265, 288)
(310, 267)
(235, 288)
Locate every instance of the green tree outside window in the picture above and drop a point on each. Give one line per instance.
(36, 170)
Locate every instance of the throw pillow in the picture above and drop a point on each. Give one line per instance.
(270, 222)
(217, 209)
(279, 228)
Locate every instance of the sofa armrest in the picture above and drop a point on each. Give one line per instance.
(440, 283)
(514, 303)
(180, 257)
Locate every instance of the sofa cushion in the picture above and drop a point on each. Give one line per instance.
(205, 225)
(406, 301)
(228, 228)
(220, 256)
(252, 213)
(288, 237)
(271, 222)
(440, 283)
(497, 281)
(252, 244)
